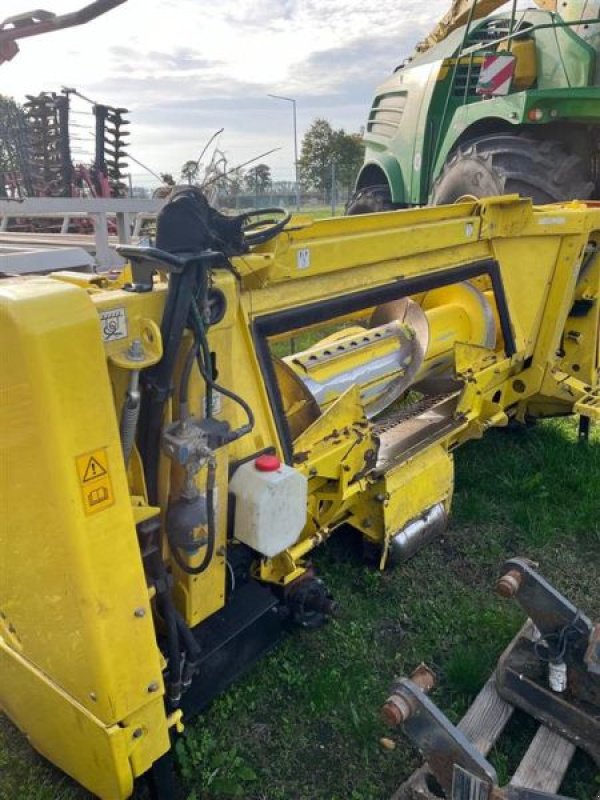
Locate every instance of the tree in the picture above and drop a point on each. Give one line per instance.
(235, 182)
(167, 178)
(349, 154)
(258, 179)
(189, 171)
(323, 147)
(316, 155)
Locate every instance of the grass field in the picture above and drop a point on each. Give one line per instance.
(304, 724)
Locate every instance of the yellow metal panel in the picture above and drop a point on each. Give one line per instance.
(104, 759)
(529, 265)
(416, 485)
(73, 591)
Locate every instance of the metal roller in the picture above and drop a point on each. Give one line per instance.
(406, 342)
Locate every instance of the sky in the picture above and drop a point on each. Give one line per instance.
(185, 68)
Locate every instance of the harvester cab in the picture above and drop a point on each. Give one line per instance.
(489, 105)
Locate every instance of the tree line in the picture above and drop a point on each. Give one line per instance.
(329, 163)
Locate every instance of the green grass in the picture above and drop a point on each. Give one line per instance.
(305, 723)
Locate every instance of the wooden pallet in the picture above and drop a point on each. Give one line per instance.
(543, 766)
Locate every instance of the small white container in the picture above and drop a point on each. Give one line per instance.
(557, 676)
(271, 504)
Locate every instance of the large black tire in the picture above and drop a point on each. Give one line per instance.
(512, 164)
(370, 200)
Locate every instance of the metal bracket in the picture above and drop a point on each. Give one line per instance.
(569, 641)
(443, 745)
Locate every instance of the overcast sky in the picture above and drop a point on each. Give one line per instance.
(188, 67)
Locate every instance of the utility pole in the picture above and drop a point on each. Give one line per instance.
(293, 102)
(333, 189)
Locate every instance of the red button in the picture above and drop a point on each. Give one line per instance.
(267, 463)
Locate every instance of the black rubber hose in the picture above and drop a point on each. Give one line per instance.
(174, 654)
(184, 385)
(193, 651)
(168, 612)
(204, 365)
(158, 379)
(211, 528)
(189, 640)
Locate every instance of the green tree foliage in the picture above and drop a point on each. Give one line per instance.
(258, 179)
(349, 154)
(322, 147)
(235, 182)
(189, 171)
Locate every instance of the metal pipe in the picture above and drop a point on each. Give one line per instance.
(418, 533)
(293, 102)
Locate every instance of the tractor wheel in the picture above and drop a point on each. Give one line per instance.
(370, 200)
(510, 164)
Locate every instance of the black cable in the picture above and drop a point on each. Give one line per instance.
(168, 612)
(188, 637)
(184, 384)
(205, 369)
(167, 609)
(557, 643)
(211, 529)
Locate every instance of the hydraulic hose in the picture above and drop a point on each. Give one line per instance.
(168, 612)
(184, 385)
(157, 380)
(194, 651)
(210, 524)
(204, 365)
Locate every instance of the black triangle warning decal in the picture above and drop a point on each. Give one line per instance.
(93, 470)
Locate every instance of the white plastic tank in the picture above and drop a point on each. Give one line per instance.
(271, 504)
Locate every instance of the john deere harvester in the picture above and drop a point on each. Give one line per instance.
(489, 105)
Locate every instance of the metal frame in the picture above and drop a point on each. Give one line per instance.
(313, 313)
(99, 209)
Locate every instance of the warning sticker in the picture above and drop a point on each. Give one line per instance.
(303, 258)
(94, 480)
(114, 324)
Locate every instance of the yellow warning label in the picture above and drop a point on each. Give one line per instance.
(94, 479)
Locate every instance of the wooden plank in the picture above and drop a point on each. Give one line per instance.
(486, 718)
(544, 764)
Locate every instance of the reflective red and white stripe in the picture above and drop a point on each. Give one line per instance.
(496, 75)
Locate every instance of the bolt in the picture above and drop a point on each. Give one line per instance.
(424, 678)
(139, 612)
(153, 687)
(380, 497)
(93, 696)
(508, 585)
(136, 350)
(396, 710)
(137, 733)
